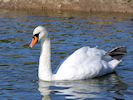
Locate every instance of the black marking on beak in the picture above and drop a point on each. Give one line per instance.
(36, 35)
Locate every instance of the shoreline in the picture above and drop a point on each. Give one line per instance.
(120, 6)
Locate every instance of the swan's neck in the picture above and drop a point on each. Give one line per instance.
(45, 72)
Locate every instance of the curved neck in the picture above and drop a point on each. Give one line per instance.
(45, 72)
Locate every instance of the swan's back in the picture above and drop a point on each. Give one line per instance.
(84, 63)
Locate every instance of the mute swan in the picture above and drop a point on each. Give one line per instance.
(84, 63)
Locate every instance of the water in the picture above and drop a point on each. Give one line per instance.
(68, 32)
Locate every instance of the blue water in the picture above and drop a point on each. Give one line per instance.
(68, 32)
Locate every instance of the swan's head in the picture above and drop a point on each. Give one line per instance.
(38, 34)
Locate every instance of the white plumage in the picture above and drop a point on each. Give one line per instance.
(84, 63)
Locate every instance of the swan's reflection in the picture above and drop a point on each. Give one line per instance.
(91, 88)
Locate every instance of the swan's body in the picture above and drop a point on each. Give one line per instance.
(84, 63)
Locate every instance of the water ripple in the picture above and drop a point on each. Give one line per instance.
(68, 32)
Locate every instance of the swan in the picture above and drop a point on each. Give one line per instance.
(84, 63)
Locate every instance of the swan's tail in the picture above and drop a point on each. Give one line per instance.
(117, 53)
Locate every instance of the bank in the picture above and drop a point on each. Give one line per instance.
(124, 6)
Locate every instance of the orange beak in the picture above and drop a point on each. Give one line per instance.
(34, 41)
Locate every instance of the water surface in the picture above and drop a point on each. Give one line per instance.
(68, 32)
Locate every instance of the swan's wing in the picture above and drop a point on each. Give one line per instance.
(83, 63)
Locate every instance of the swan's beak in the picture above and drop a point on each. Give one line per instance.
(34, 41)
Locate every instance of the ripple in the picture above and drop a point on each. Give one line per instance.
(68, 32)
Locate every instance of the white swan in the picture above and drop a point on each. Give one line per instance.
(84, 63)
